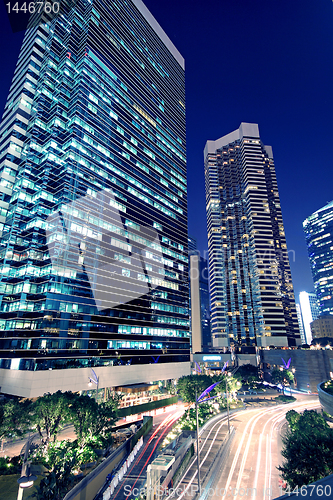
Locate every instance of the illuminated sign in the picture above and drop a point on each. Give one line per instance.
(211, 358)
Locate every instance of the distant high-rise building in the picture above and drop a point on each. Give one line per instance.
(322, 326)
(318, 229)
(252, 297)
(192, 244)
(200, 304)
(300, 323)
(309, 312)
(93, 204)
(205, 305)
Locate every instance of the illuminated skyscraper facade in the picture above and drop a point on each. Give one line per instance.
(252, 297)
(318, 229)
(309, 312)
(300, 323)
(93, 204)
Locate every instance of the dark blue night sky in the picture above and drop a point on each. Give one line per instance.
(263, 61)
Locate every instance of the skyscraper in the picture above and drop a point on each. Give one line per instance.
(192, 244)
(252, 298)
(93, 204)
(318, 229)
(300, 323)
(200, 303)
(309, 311)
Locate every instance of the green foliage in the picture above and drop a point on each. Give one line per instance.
(82, 410)
(307, 449)
(248, 375)
(285, 399)
(91, 420)
(15, 417)
(233, 383)
(292, 417)
(327, 387)
(281, 376)
(58, 481)
(69, 451)
(50, 412)
(189, 384)
(188, 421)
(10, 465)
(171, 388)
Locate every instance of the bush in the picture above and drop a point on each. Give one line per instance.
(285, 399)
(66, 450)
(10, 465)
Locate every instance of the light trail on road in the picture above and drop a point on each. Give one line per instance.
(167, 426)
(262, 481)
(246, 468)
(220, 421)
(161, 430)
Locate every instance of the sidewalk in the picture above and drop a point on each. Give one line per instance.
(13, 447)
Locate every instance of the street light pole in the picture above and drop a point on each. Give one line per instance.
(293, 372)
(94, 379)
(198, 457)
(226, 390)
(281, 369)
(26, 480)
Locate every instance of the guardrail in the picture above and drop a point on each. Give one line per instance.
(120, 474)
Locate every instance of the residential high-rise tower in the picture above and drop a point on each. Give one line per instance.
(252, 297)
(93, 204)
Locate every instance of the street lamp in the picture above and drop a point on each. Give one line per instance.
(197, 422)
(293, 371)
(94, 380)
(26, 480)
(226, 390)
(281, 370)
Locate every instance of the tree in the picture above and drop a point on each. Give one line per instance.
(309, 422)
(233, 383)
(15, 417)
(91, 420)
(189, 384)
(82, 409)
(247, 374)
(58, 481)
(281, 376)
(292, 417)
(188, 421)
(170, 387)
(307, 449)
(50, 412)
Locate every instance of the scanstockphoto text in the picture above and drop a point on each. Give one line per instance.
(311, 490)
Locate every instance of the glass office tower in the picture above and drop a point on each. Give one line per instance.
(252, 297)
(93, 204)
(318, 229)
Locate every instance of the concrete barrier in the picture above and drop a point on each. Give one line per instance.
(326, 400)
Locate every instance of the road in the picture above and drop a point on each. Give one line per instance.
(136, 476)
(250, 471)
